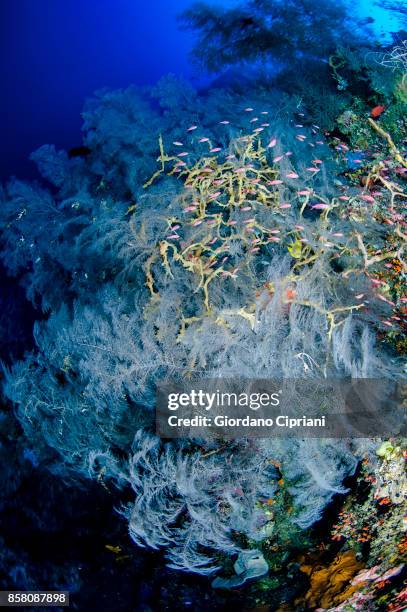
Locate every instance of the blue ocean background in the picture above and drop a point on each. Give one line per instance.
(55, 53)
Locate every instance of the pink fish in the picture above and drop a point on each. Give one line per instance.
(317, 161)
(292, 175)
(190, 208)
(197, 222)
(299, 227)
(183, 154)
(312, 169)
(276, 231)
(204, 140)
(338, 235)
(394, 571)
(248, 109)
(215, 150)
(298, 125)
(264, 113)
(272, 143)
(230, 156)
(258, 130)
(265, 125)
(175, 227)
(254, 119)
(274, 239)
(288, 153)
(320, 142)
(304, 192)
(320, 206)
(345, 198)
(275, 182)
(240, 170)
(224, 122)
(285, 205)
(367, 198)
(215, 195)
(277, 159)
(254, 249)
(246, 208)
(247, 221)
(177, 143)
(359, 296)
(381, 297)
(172, 237)
(192, 128)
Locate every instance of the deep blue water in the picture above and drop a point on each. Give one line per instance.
(55, 53)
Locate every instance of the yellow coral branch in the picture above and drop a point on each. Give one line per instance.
(396, 153)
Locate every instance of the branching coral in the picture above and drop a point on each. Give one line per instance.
(396, 59)
(259, 259)
(186, 502)
(234, 211)
(261, 30)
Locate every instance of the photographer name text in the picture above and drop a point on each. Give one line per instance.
(248, 421)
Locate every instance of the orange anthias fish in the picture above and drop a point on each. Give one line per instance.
(377, 111)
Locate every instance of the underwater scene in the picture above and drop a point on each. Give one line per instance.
(203, 305)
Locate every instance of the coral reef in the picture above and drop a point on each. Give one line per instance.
(327, 583)
(233, 233)
(257, 244)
